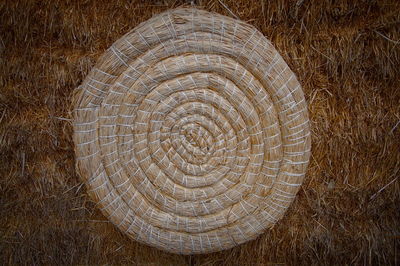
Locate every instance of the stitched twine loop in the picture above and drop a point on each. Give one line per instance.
(191, 132)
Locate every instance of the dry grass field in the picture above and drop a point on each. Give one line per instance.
(346, 55)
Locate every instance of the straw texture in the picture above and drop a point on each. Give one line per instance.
(191, 132)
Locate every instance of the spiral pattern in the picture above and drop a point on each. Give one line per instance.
(191, 132)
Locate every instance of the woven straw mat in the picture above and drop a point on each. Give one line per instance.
(191, 132)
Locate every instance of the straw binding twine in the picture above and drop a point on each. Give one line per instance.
(191, 132)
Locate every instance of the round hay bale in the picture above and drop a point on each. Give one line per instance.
(191, 132)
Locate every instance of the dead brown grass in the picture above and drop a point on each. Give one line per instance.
(346, 55)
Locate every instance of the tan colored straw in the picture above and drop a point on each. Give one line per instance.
(191, 132)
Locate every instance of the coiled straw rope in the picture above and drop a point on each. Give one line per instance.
(192, 132)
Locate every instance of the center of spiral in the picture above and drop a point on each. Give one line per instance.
(197, 139)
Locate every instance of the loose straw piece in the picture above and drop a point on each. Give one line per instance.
(191, 132)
